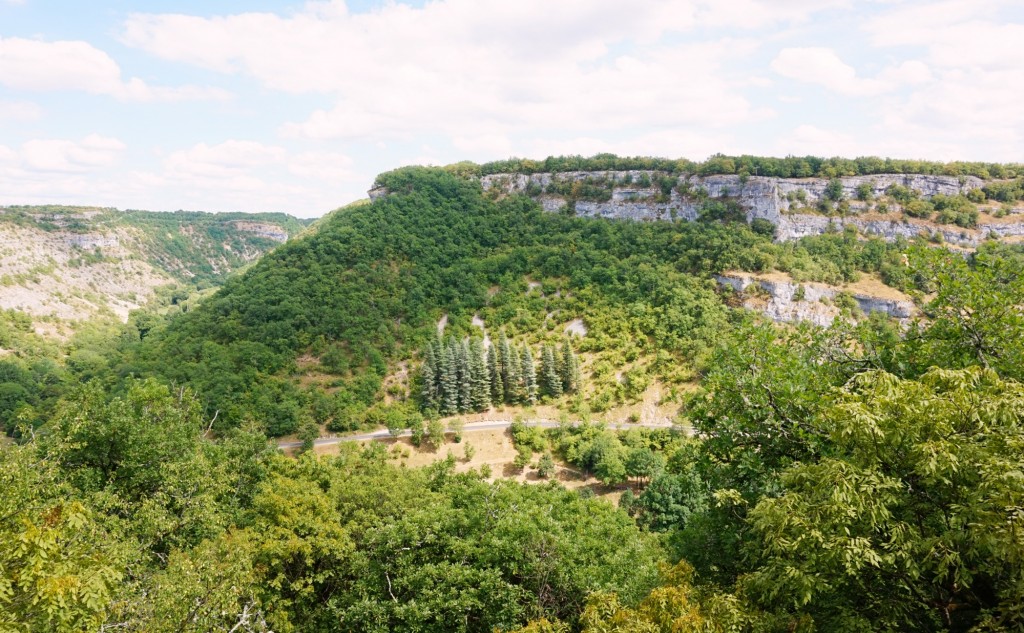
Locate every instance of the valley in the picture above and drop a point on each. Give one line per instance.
(553, 400)
(64, 266)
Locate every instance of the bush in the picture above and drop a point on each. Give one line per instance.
(456, 427)
(901, 194)
(418, 432)
(762, 226)
(545, 466)
(435, 433)
(918, 209)
(834, 190)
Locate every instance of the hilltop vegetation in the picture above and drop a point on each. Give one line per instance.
(857, 478)
(366, 291)
(788, 167)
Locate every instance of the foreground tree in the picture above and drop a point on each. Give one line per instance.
(914, 520)
(976, 312)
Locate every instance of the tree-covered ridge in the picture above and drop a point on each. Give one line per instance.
(366, 290)
(718, 164)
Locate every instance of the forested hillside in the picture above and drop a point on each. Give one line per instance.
(860, 477)
(346, 305)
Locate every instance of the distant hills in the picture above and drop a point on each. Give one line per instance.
(63, 265)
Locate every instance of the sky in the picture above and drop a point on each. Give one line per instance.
(261, 105)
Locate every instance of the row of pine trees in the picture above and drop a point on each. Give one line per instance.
(460, 376)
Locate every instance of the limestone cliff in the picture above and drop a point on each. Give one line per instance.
(66, 265)
(780, 298)
(785, 202)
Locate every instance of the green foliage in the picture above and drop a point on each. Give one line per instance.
(1010, 191)
(956, 210)
(906, 524)
(834, 190)
(821, 492)
(545, 466)
(366, 289)
(60, 568)
(309, 431)
(975, 311)
(788, 167)
(435, 433)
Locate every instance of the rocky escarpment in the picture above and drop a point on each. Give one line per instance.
(781, 298)
(262, 229)
(67, 265)
(785, 202)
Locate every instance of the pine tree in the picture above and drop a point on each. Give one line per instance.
(570, 369)
(505, 367)
(480, 384)
(529, 374)
(429, 375)
(551, 380)
(464, 379)
(449, 382)
(494, 374)
(514, 376)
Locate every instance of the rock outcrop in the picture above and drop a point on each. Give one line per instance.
(781, 201)
(261, 229)
(781, 299)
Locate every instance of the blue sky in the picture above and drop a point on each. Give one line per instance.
(296, 106)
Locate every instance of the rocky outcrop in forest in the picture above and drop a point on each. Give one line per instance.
(793, 205)
(780, 298)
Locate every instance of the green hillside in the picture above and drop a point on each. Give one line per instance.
(864, 476)
(366, 291)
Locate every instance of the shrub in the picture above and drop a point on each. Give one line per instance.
(834, 190)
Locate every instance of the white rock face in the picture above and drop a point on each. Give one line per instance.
(762, 197)
(781, 300)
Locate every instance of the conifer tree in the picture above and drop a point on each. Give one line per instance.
(429, 374)
(449, 382)
(529, 374)
(494, 374)
(480, 384)
(464, 378)
(513, 376)
(570, 369)
(551, 380)
(505, 367)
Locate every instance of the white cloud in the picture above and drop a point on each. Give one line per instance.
(242, 160)
(62, 155)
(38, 66)
(974, 97)
(482, 70)
(232, 175)
(19, 111)
(956, 33)
(225, 161)
(822, 66)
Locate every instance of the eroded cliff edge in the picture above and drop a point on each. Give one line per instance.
(793, 205)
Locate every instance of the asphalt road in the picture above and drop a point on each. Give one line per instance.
(486, 425)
